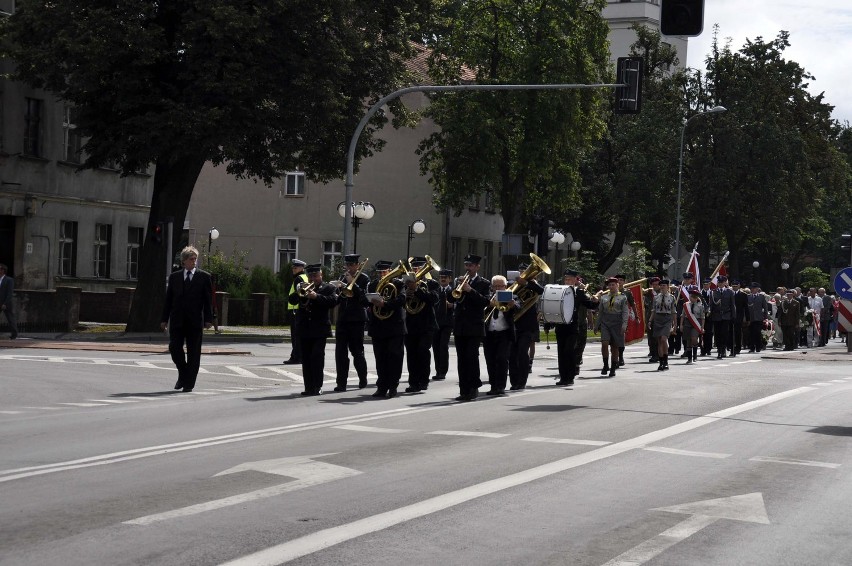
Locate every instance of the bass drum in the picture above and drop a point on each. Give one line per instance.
(557, 304)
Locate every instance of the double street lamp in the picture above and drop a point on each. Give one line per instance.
(714, 110)
(357, 211)
(212, 235)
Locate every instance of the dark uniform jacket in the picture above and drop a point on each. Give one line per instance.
(314, 319)
(470, 306)
(443, 311)
(394, 325)
(528, 322)
(354, 308)
(741, 303)
(423, 301)
(722, 305)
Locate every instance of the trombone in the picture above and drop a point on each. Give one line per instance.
(349, 290)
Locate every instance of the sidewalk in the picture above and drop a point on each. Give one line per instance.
(834, 351)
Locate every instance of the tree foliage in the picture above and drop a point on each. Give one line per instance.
(265, 86)
(522, 145)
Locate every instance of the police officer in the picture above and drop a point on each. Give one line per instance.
(297, 267)
(351, 320)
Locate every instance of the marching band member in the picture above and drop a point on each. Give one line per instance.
(420, 326)
(470, 296)
(613, 315)
(526, 331)
(566, 334)
(387, 329)
(499, 337)
(444, 316)
(662, 322)
(351, 319)
(314, 325)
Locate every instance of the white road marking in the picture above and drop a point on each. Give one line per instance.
(468, 433)
(567, 441)
(241, 371)
(142, 398)
(821, 384)
(686, 452)
(148, 365)
(134, 454)
(44, 408)
(793, 461)
(326, 538)
(838, 381)
(287, 374)
(11, 412)
(206, 392)
(359, 428)
(111, 401)
(84, 404)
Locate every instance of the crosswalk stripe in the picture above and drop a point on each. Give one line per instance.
(287, 374)
(84, 404)
(567, 441)
(793, 461)
(678, 452)
(468, 433)
(359, 428)
(115, 401)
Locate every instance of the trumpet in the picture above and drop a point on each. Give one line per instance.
(305, 288)
(457, 292)
(349, 290)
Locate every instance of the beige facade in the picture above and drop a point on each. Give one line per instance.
(622, 14)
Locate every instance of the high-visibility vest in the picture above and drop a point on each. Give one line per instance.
(301, 277)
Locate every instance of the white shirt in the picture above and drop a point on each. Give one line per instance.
(815, 303)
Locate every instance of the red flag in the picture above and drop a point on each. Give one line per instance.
(636, 320)
(685, 289)
(723, 270)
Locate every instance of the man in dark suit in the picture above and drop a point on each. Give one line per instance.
(315, 300)
(351, 320)
(526, 330)
(566, 334)
(707, 337)
(757, 311)
(188, 310)
(470, 295)
(445, 318)
(723, 312)
(740, 321)
(387, 328)
(420, 325)
(7, 289)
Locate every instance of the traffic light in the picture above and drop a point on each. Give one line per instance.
(682, 17)
(157, 232)
(628, 98)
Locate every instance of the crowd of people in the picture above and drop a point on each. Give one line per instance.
(411, 315)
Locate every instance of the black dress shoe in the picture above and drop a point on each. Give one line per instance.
(291, 362)
(178, 385)
(439, 378)
(517, 387)
(187, 389)
(565, 382)
(379, 393)
(464, 398)
(412, 390)
(391, 393)
(362, 383)
(340, 388)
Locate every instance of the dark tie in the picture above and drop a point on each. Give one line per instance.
(188, 279)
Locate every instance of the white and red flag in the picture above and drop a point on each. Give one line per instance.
(721, 269)
(685, 289)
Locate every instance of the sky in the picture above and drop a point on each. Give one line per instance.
(820, 39)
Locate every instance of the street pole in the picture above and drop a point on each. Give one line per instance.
(714, 110)
(353, 143)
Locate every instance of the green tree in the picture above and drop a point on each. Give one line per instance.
(265, 86)
(522, 146)
(813, 277)
(634, 264)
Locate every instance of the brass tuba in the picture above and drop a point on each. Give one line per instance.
(527, 297)
(388, 291)
(413, 305)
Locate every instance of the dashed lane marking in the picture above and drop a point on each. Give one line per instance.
(10, 412)
(793, 461)
(468, 433)
(566, 441)
(360, 428)
(110, 401)
(84, 404)
(678, 452)
(821, 384)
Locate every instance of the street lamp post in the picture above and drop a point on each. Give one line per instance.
(714, 110)
(357, 211)
(557, 238)
(212, 235)
(416, 227)
(575, 247)
(784, 267)
(755, 264)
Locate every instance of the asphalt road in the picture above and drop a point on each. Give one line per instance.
(738, 461)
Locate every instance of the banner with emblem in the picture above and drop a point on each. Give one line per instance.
(636, 320)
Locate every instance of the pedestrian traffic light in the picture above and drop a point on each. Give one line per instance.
(628, 98)
(682, 17)
(157, 232)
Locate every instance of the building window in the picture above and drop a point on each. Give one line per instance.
(70, 136)
(472, 246)
(295, 184)
(331, 255)
(285, 252)
(486, 259)
(490, 201)
(134, 244)
(455, 260)
(103, 237)
(32, 127)
(67, 248)
(473, 203)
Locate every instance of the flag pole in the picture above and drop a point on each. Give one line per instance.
(719, 265)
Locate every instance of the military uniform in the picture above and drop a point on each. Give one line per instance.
(314, 324)
(613, 316)
(387, 331)
(567, 334)
(526, 332)
(469, 329)
(349, 334)
(420, 326)
(723, 313)
(441, 339)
